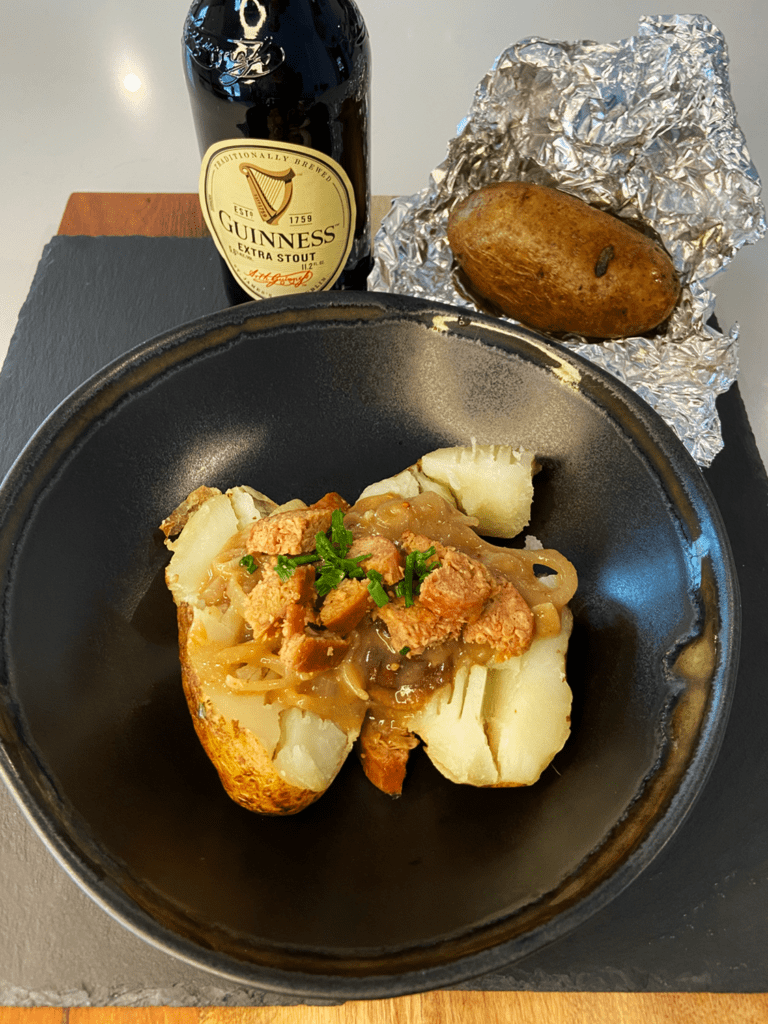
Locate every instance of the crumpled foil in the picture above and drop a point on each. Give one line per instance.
(646, 128)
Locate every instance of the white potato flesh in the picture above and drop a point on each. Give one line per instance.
(407, 484)
(305, 750)
(249, 505)
(492, 482)
(504, 722)
(310, 751)
(250, 711)
(451, 727)
(213, 630)
(206, 532)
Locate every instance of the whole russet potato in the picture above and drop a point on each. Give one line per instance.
(557, 264)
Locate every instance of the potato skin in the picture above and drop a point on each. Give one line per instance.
(245, 770)
(557, 264)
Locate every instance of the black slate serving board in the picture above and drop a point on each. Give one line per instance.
(696, 920)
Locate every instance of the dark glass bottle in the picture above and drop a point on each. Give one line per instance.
(295, 74)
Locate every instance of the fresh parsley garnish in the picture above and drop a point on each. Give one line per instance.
(415, 572)
(331, 552)
(288, 564)
(341, 537)
(376, 588)
(249, 562)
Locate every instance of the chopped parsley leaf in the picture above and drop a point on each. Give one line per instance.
(328, 578)
(415, 572)
(341, 537)
(288, 564)
(335, 566)
(376, 588)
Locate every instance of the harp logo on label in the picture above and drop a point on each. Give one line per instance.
(281, 216)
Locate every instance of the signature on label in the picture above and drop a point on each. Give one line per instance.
(274, 279)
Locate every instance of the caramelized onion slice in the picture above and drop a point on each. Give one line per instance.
(557, 587)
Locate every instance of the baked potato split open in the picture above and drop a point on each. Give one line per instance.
(271, 757)
(305, 630)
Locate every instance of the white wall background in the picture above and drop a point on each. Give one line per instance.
(69, 125)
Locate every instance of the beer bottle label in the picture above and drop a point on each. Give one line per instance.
(281, 215)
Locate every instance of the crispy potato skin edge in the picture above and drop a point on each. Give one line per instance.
(243, 765)
(559, 265)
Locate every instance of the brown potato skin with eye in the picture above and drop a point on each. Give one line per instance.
(559, 265)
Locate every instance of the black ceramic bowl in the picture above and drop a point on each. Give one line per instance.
(359, 895)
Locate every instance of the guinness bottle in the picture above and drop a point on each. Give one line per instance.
(280, 94)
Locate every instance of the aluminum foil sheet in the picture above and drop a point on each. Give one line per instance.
(645, 127)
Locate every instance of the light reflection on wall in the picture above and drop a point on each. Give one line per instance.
(131, 82)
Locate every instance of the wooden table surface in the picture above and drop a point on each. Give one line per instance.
(179, 215)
